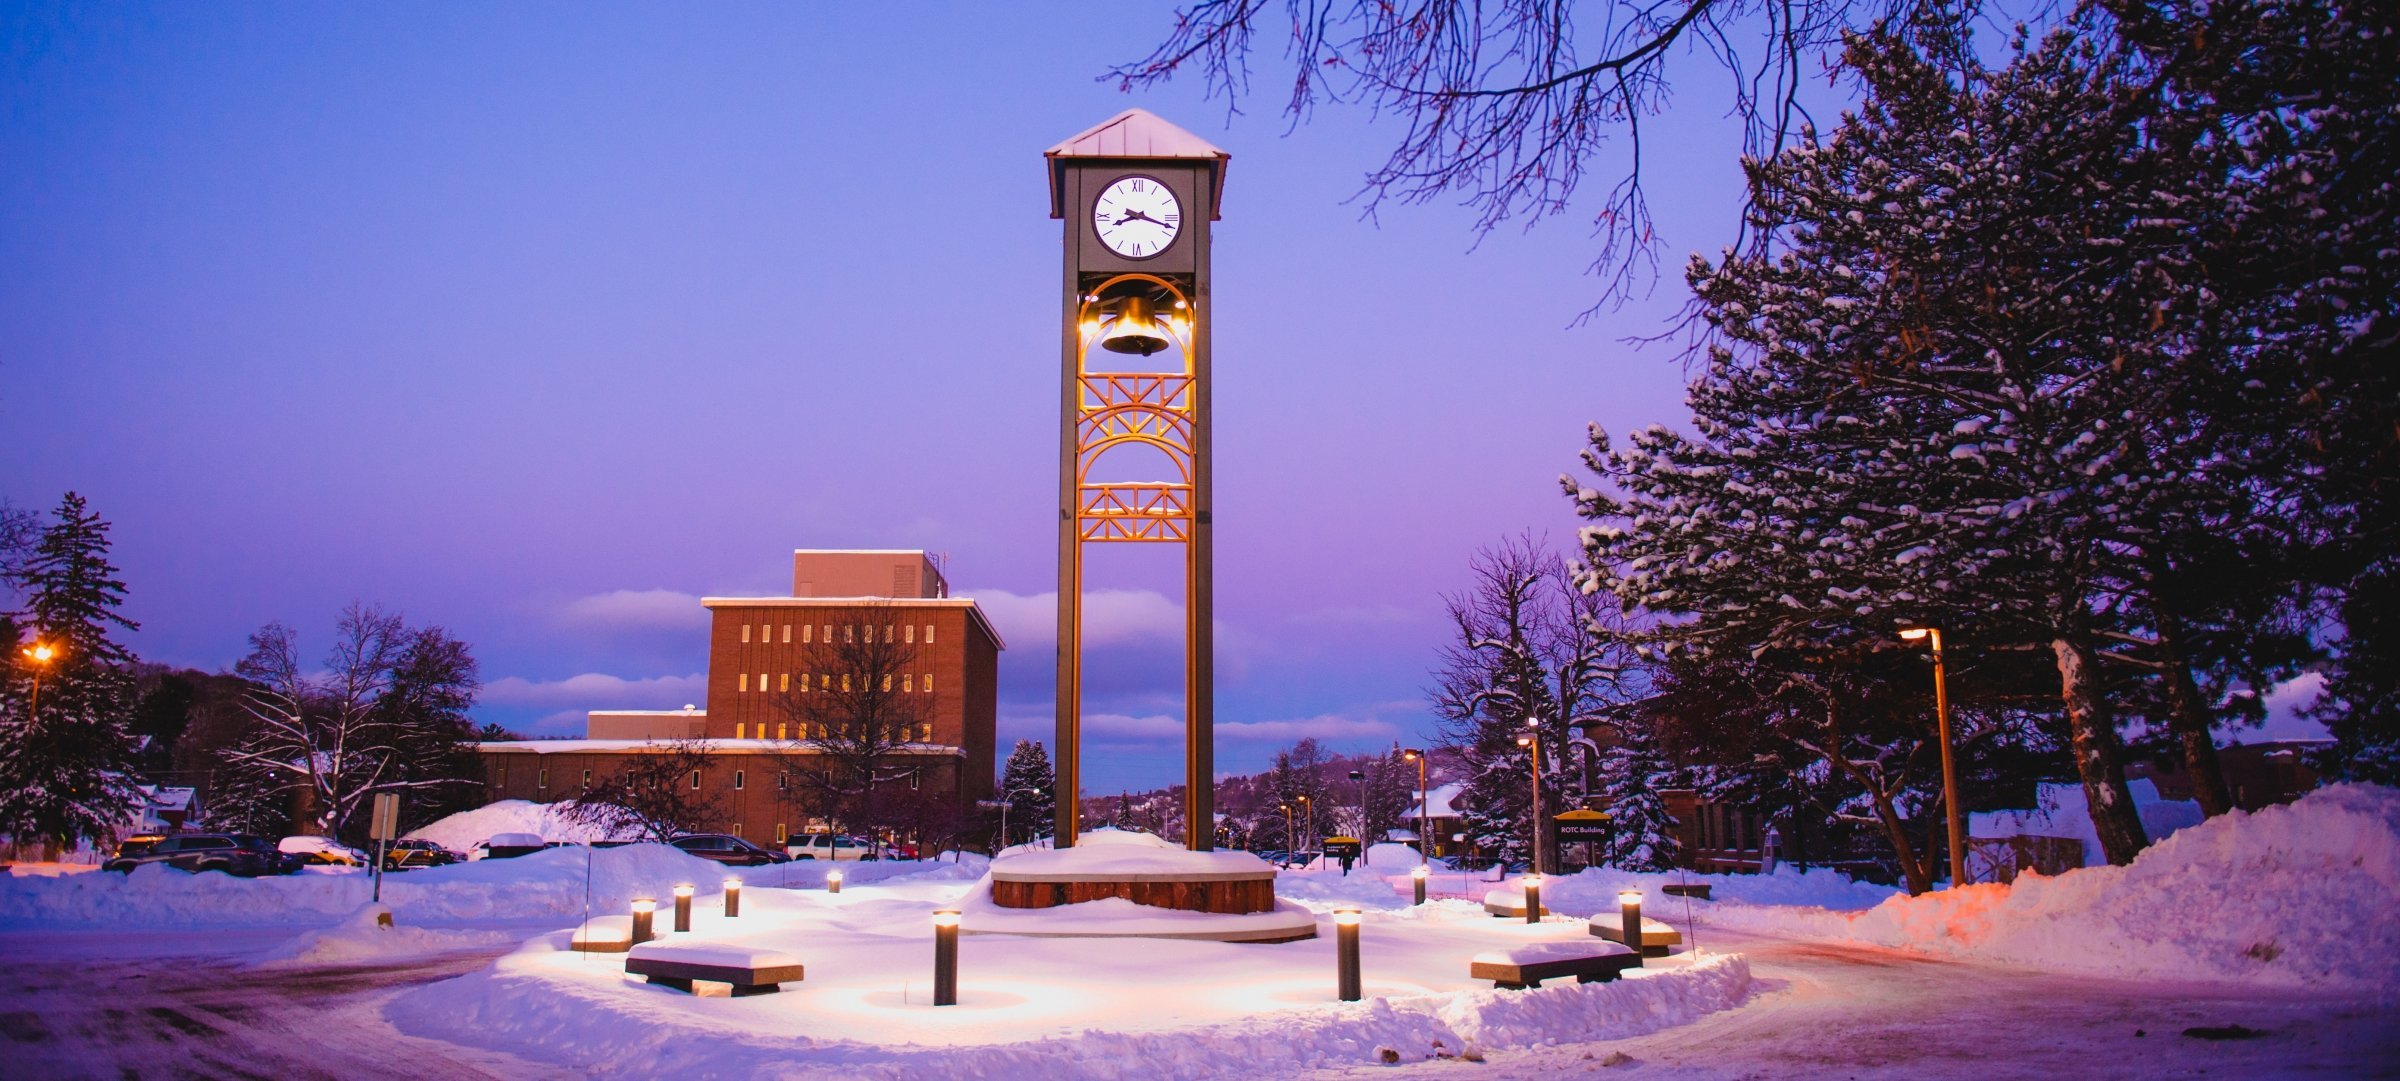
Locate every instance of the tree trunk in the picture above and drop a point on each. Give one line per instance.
(1912, 868)
(2099, 759)
(2188, 713)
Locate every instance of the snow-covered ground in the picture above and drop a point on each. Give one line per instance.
(2283, 920)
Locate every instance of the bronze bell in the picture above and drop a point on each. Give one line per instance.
(1135, 329)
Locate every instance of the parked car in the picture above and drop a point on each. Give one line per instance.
(410, 852)
(232, 853)
(728, 849)
(511, 845)
(324, 850)
(831, 846)
(139, 843)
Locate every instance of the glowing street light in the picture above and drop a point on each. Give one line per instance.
(1309, 812)
(1941, 712)
(1629, 918)
(683, 907)
(643, 907)
(945, 957)
(1420, 873)
(39, 653)
(1533, 897)
(1532, 741)
(733, 897)
(1287, 833)
(1345, 934)
(1424, 840)
(833, 880)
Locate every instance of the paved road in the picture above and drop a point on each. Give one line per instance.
(1828, 1011)
(64, 1015)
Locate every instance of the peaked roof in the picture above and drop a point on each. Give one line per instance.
(1138, 134)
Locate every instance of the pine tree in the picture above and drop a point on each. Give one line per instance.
(66, 760)
(1028, 782)
(1641, 832)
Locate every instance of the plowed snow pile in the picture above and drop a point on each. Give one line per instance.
(2300, 895)
(547, 821)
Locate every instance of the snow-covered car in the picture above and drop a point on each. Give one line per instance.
(410, 852)
(727, 849)
(509, 845)
(326, 850)
(831, 846)
(232, 853)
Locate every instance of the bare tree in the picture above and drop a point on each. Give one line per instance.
(856, 718)
(657, 793)
(1510, 105)
(387, 700)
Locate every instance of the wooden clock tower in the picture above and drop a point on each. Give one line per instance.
(1137, 195)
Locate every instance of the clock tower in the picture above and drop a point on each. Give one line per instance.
(1137, 195)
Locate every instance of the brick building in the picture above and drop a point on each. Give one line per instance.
(772, 665)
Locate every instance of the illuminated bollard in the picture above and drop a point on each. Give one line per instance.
(733, 897)
(683, 907)
(833, 880)
(642, 908)
(1629, 912)
(1533, 898)
(1345, 948)
(1421, 873)
(945, 957)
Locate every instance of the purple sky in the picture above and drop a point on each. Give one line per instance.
(540, 321)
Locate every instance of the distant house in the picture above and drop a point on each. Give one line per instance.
(2258, 774)
(161, 809)
(1441, 819)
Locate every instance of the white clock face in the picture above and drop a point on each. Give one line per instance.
(1137, 217)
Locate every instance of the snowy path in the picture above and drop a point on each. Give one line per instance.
(1837, 1011)
(83, 1005)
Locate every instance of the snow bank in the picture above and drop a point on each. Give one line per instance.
(1118, 852)
(462, 831)
(1322, 889)
(366, 937)
(1595, 890)
(2300, 895)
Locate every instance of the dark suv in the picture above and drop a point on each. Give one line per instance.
(726, 848)
(232, 853)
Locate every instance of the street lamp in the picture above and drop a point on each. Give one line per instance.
(1532, 741)
(1941, 712)
(1360, 778)
(1308, 811)
(1287, 833)
(1424, 840)
(39, 653)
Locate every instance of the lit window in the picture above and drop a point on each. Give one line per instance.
(887, 682)
(787, 634)
(849, 632)
(912, 634)
(928, 737)
(928, 683)
(887, 634)
(929, 634)
(824, 680)
(845, 681)
(780, 835)
(737, 829)
(908, 683)
(695, 778)
(745, 632)
(783, 731)
(739, 730)
(762, 683)
(737, 783)
(808, 633)
(541, 779)
(783, 682)
(742, 682)
(829, 634)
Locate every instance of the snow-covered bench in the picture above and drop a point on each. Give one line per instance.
(1510, 904)
(1657, 938)
(604, 934)
(751, 971)
(1520, 967)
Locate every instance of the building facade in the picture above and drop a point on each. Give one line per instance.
(782, 672)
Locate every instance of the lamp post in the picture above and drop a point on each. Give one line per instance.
(1287, 833)
(1308, 810)
(643, 907)
(1345, 936)
(833, 880)
(733, 897)
(1629, 919)
(1941, 712)
(1359, 778)
(1424, 840)
(39, 653)
(1533, 897)
(683, 907)
(945, 957)
(1532, 741)
(1420, 873)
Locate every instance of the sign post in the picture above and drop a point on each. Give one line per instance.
(1587, 826)
(1345, 849)
(385, 828)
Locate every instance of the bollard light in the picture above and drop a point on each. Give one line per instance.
(833, 880)
(1420, 873)
(642, 908)
(1533, 898)
(1345, 938)
(683, 907)
(1629, 916)
(733, 897)
(945, 957)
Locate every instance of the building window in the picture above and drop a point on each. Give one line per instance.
(587, 778)
(908, 683)
(745, 633)
(929, 634)
(887, 634)
(783, 731)
(781, 836)
(737, 786)
(887, 683)
(929, 690)
(845, 681)
(504, 776)
(783, 681)
(912, 634)
(695, 779)
(541, 779)
(737, 829)
(850, 632)
(787, 634)
(762, 683)
(913, 778)
(829, 634)
(739, 730)
(929, 735)
(783, 782)
(743, 683)
(824, 681)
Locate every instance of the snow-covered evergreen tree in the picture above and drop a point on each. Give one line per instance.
(65, 760)
(1641, 832)
(1028, 782)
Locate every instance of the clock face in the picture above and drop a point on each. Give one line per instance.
(1137, 217)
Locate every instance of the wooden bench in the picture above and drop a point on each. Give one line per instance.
(1658, 939)
(677, 964)
(1686, 889)
(1527, 966)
